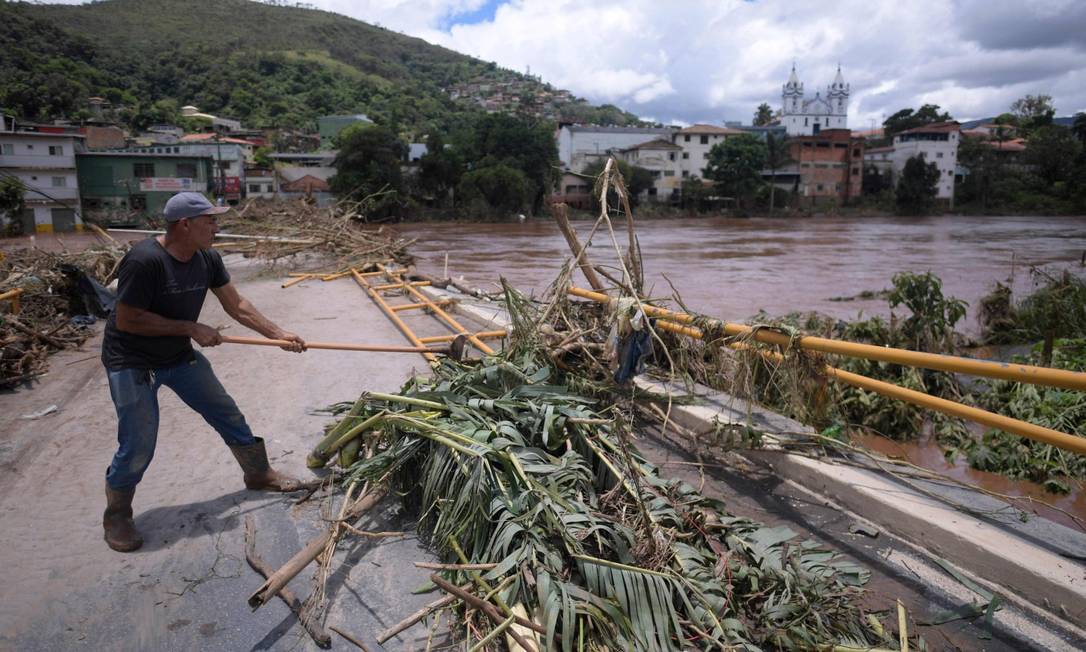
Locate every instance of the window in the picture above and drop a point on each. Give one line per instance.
(7, 149)
(705, 155)
(855, 172)
(950, 173)
(704, 140)
(938, 155)
(255, 187)
(819, 187)
(669, 173)
(60, 182)
(186, 170)
(856, 153)
(686, 155)
(840, 145)
(805, 122)
(671, 156)
(143, 170)
(56, 150)
(686, 173)
(686, 138)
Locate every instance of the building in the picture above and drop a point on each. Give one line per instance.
(663, 159)
(260, 183)
(829, 166)
(329, 126)
(308, 182)
(574, 190)
(806, 117)
(43, 159)
(936, 143)
(217, 123)
(581, 145)
(696, 141)
(138, 182)
(229, 155)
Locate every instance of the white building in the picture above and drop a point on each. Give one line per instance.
(802, 117)
(581, 145)
(44, 163)
(696, 141)
(663, 159)
(935, 143)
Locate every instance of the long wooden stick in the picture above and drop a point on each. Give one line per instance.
(306, 555)
(320, 637)
(417, 616)
(338, 346)
(352, 639)
(481, 604)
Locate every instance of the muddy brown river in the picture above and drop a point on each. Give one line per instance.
(732, 268)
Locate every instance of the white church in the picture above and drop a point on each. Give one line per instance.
(802, 117)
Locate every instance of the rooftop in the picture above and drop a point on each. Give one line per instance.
(934, 128)
(711, 129)
(658, 143)
(210, 138)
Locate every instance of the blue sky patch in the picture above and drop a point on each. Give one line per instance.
(485, 13)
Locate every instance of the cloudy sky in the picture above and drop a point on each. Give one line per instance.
(687, 61)
(713, 60)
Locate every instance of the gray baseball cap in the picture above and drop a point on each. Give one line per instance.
(188, 205)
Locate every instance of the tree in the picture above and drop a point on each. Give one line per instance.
(1078, 128)
(528, 146)
(763, 116)
(637, 179)
(262, 157)
(906, 119)
(1033, 112)
(776, 157)
(917, 187)
(1052, 151)
(368, 163)
(440, 169)
(497, 189)
(736, 166)
(12, 202)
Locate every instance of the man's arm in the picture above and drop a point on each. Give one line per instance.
(246, 314)
(144, 322)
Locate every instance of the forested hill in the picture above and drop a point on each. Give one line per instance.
(267, 65)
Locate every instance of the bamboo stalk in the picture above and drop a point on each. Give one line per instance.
(305, 556)
(320, 637)
(490, 610)
(417, 616)
(561, 216)
(359, 644)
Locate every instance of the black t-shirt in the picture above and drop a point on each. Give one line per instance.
(151, 279)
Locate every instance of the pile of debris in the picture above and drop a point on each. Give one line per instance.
(49, 305)
(274, 230)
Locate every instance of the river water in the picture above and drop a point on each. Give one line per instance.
(732, 268)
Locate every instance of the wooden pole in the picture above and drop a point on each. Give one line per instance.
(561, 216)
(338, 346)
(298, 562)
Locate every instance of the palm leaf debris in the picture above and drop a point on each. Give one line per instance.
(509, 463)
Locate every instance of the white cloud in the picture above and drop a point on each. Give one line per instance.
(710, 60)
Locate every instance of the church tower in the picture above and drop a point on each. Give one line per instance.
(838, 95)
(792, 96)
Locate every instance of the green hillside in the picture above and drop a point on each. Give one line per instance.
(269, 66)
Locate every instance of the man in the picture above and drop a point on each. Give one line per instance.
(162, 282)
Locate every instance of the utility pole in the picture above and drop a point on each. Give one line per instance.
(220, 190)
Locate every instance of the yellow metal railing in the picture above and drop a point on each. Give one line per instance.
(677, 322)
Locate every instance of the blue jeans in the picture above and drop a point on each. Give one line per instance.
(135, 395)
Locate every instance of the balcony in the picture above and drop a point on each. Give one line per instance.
(37, 162)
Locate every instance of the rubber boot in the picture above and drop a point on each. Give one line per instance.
(253, 460)
(120, 530)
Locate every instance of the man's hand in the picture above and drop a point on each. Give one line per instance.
(297, 344)
(205, 335)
